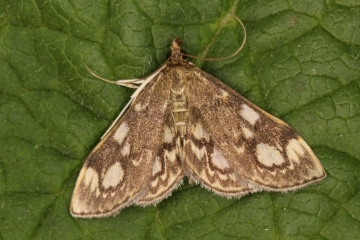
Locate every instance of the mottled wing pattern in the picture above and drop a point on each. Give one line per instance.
(118, 171)
(167, 171)
(260, 149)
(207, 165)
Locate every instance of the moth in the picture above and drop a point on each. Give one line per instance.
(180, 122)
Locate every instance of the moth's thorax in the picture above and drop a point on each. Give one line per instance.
(178, 74)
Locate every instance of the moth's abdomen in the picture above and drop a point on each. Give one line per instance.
(179, 105)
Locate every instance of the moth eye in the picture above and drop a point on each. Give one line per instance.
(168, 55)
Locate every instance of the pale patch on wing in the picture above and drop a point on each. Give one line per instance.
(199, 132)
(168, 136)
(123, 160)
(219, 160)
(167, 171)
(113, 176)
(138, 107)
(207, 165)
(249, 114)
(157, 166)
(166, 176)
(91, 178)
(247, 132)
(78, 206)
(268, 155)
(199, 152)
(294, 150)
(213, 172)
(225, 94)
(125, 151)
(259, 159)
(170, 155)
(316, 170)
(121, 132)
(88, 179)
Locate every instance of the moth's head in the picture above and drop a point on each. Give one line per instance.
(176, 55)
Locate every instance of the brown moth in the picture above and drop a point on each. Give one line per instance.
(181, 122)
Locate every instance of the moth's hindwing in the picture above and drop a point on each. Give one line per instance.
(233, 136)
(118, 171)
(207, 165)
(167, 171)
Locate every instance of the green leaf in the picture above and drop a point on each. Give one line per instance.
(301, 63)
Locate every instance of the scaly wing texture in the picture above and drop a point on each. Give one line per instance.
(261, 149)
(118, 171)
(205, 163)
(167, 171)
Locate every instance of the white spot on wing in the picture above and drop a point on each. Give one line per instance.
(219, 160)
(225, 94)
(249, 114)
(247, 132)
(78, 206)
(91, 178)
(156, 166)
(223, 177)
(199, 132)
(121, 133)
(138, 107)
(198, 152)
(168, 136)
(170, 155)
(125, 151)
(154, 183)
(268, 155)
(113, 176)
(294, 150)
